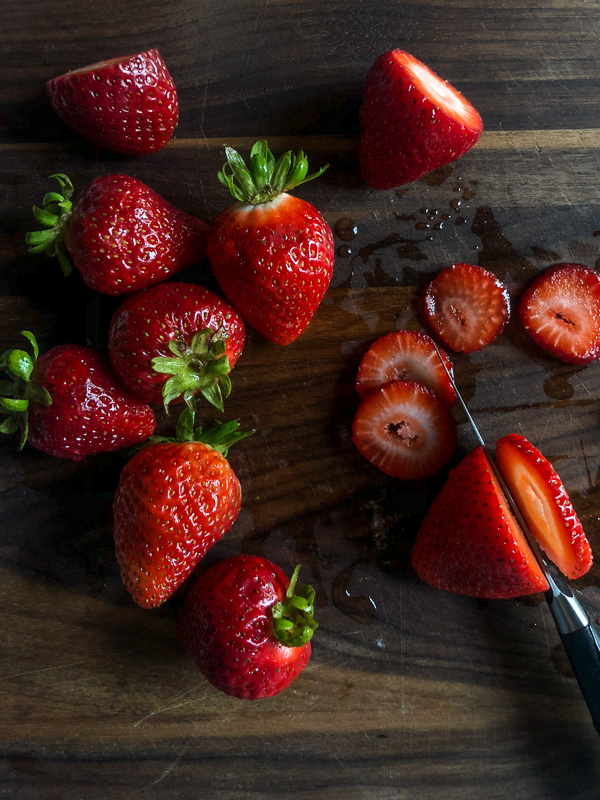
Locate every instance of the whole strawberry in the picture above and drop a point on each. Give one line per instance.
(69, 402)
(271, 253)
(120, 234)
(127, 104)
(411, 122)
(176, 339)
(175, 499)
(247, 627)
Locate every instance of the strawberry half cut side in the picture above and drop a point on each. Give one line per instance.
(544, 503)
(561, 312)
(470, 543)
(406, 356)
(467, 307)
(405, 430)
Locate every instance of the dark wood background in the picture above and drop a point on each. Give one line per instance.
(410, 693)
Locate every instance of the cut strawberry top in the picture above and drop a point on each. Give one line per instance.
(470, 543)
(404, 355)
(467, 307)
(96, 67)
(561, 312)
(438, 91)
(544, 503)
(405, 430)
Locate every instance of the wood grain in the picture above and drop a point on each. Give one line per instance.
(410, 693)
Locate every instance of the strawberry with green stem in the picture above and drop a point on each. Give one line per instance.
(247, 627)
(271, 252)
(120, 234)
(176, 497)
(68, 402)
(176, 340)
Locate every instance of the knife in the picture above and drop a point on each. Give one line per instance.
(578, 635)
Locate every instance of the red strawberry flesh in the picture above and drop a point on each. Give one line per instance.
(544, 503)
(561, 312)
(467, 307)
(404, 355)
(404, 430)
(470, 543)
(412, 121)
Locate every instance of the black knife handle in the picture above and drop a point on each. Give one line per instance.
(583, 649)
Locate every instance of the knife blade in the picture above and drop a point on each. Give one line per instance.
(576, 631)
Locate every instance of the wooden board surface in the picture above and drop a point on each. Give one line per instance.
(410, 693)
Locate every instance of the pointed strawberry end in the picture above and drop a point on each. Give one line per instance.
(265, 178)
(53, 214)
(201, 367)
(17, 391)
(293, 617)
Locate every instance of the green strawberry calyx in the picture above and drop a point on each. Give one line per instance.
(53, 215)
(265, 178)
(200, 366)
(17, 391)
(220, 436)
(293, 617)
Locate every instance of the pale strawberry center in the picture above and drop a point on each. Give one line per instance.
(541, 516)
(403, 431)
(440, 92)
(516, 531)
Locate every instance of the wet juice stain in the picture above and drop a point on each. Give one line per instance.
(346, 229)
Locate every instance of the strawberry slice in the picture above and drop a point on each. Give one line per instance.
(404, 356)
(544, 503)
(404, 430)
(411, 121)
(467, 307)
(470, 543)
(561, 312)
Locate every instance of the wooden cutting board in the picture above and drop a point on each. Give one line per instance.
(410, 693)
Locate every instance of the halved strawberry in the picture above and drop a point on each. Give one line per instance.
(467, 307)
(561, 312)
(404, 356)
(405, 430)
(470, 543)
(411, 121)
(544, 503)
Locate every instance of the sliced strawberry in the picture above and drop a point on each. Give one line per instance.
(405, 430)
(561, 312)
(467, 307)
(411, 121)
(470, 543)
(544, 503)
(404, 356)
